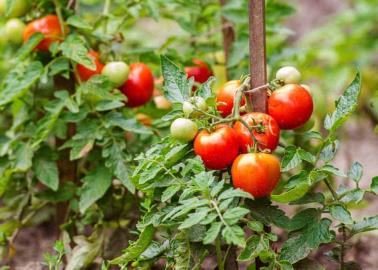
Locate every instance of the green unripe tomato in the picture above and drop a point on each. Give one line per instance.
(116, 72)
(16, 9)
(288, 75)
(189, 107)
(183, 129)
(14, 29)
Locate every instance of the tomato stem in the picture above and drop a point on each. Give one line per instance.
(238, 96)
(60, 17)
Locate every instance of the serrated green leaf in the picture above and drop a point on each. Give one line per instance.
(293, 194)
(205, 89)
(47, 172)
(329, 151)
(252, 249)
(233, 215)
(353, 196)
(315, 232)
(176, 86)
(132, 125)
(345, 105)
(19, 80)
(107, 105)
(78, 22)
(374, 185)
(365, 225)
(194, 219)
(355, 172)
(96, 183)
(136, 248)
(234, 235)
(333, 170)
(232, 193)
(291, 159)
(23, 157)
(74, 48)
(28, 47)
(255, 226)
(212, 233)
(340, 213)
(169, 192)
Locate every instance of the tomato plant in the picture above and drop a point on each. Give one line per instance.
(104, 143)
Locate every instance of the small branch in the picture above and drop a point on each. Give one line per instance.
(218, 251)
(60, 16)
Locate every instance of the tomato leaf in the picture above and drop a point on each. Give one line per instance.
(74, 48)
(365, 225)
(96, 183)
(20, 79)
(176, 86)
(340, 213)
(374, 185)
(293, 194)
(234, 235)
(345, 105)
(212, 233)
(47, 172)
(78, 22)
(355, 172)
(310, 232)
(136, 248)
(28, 47)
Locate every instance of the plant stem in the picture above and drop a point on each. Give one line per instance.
(60, 16)
(218, 251)
(333, 192)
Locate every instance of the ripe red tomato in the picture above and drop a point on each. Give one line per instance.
(291, 106)
(139, 85)
(226, 96)
(86, 73)
(217, 149)
(267, 134)
(256, 173)
(49, 26)
(200, 71)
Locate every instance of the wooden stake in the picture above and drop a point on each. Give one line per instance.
(257, 61)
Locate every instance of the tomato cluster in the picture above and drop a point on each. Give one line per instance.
(247, 144)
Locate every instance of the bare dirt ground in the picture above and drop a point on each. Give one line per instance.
(358, 143)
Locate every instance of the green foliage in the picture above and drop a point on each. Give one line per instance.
(71, 149)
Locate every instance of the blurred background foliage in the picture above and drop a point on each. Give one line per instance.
(326, 55)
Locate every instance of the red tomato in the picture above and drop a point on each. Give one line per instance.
(225, 97)
(256, 173)
(200, 72)
(291, 106)
(267, 134)
(86, 73)
(217, 149)
(139, 85)
(49, 26)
